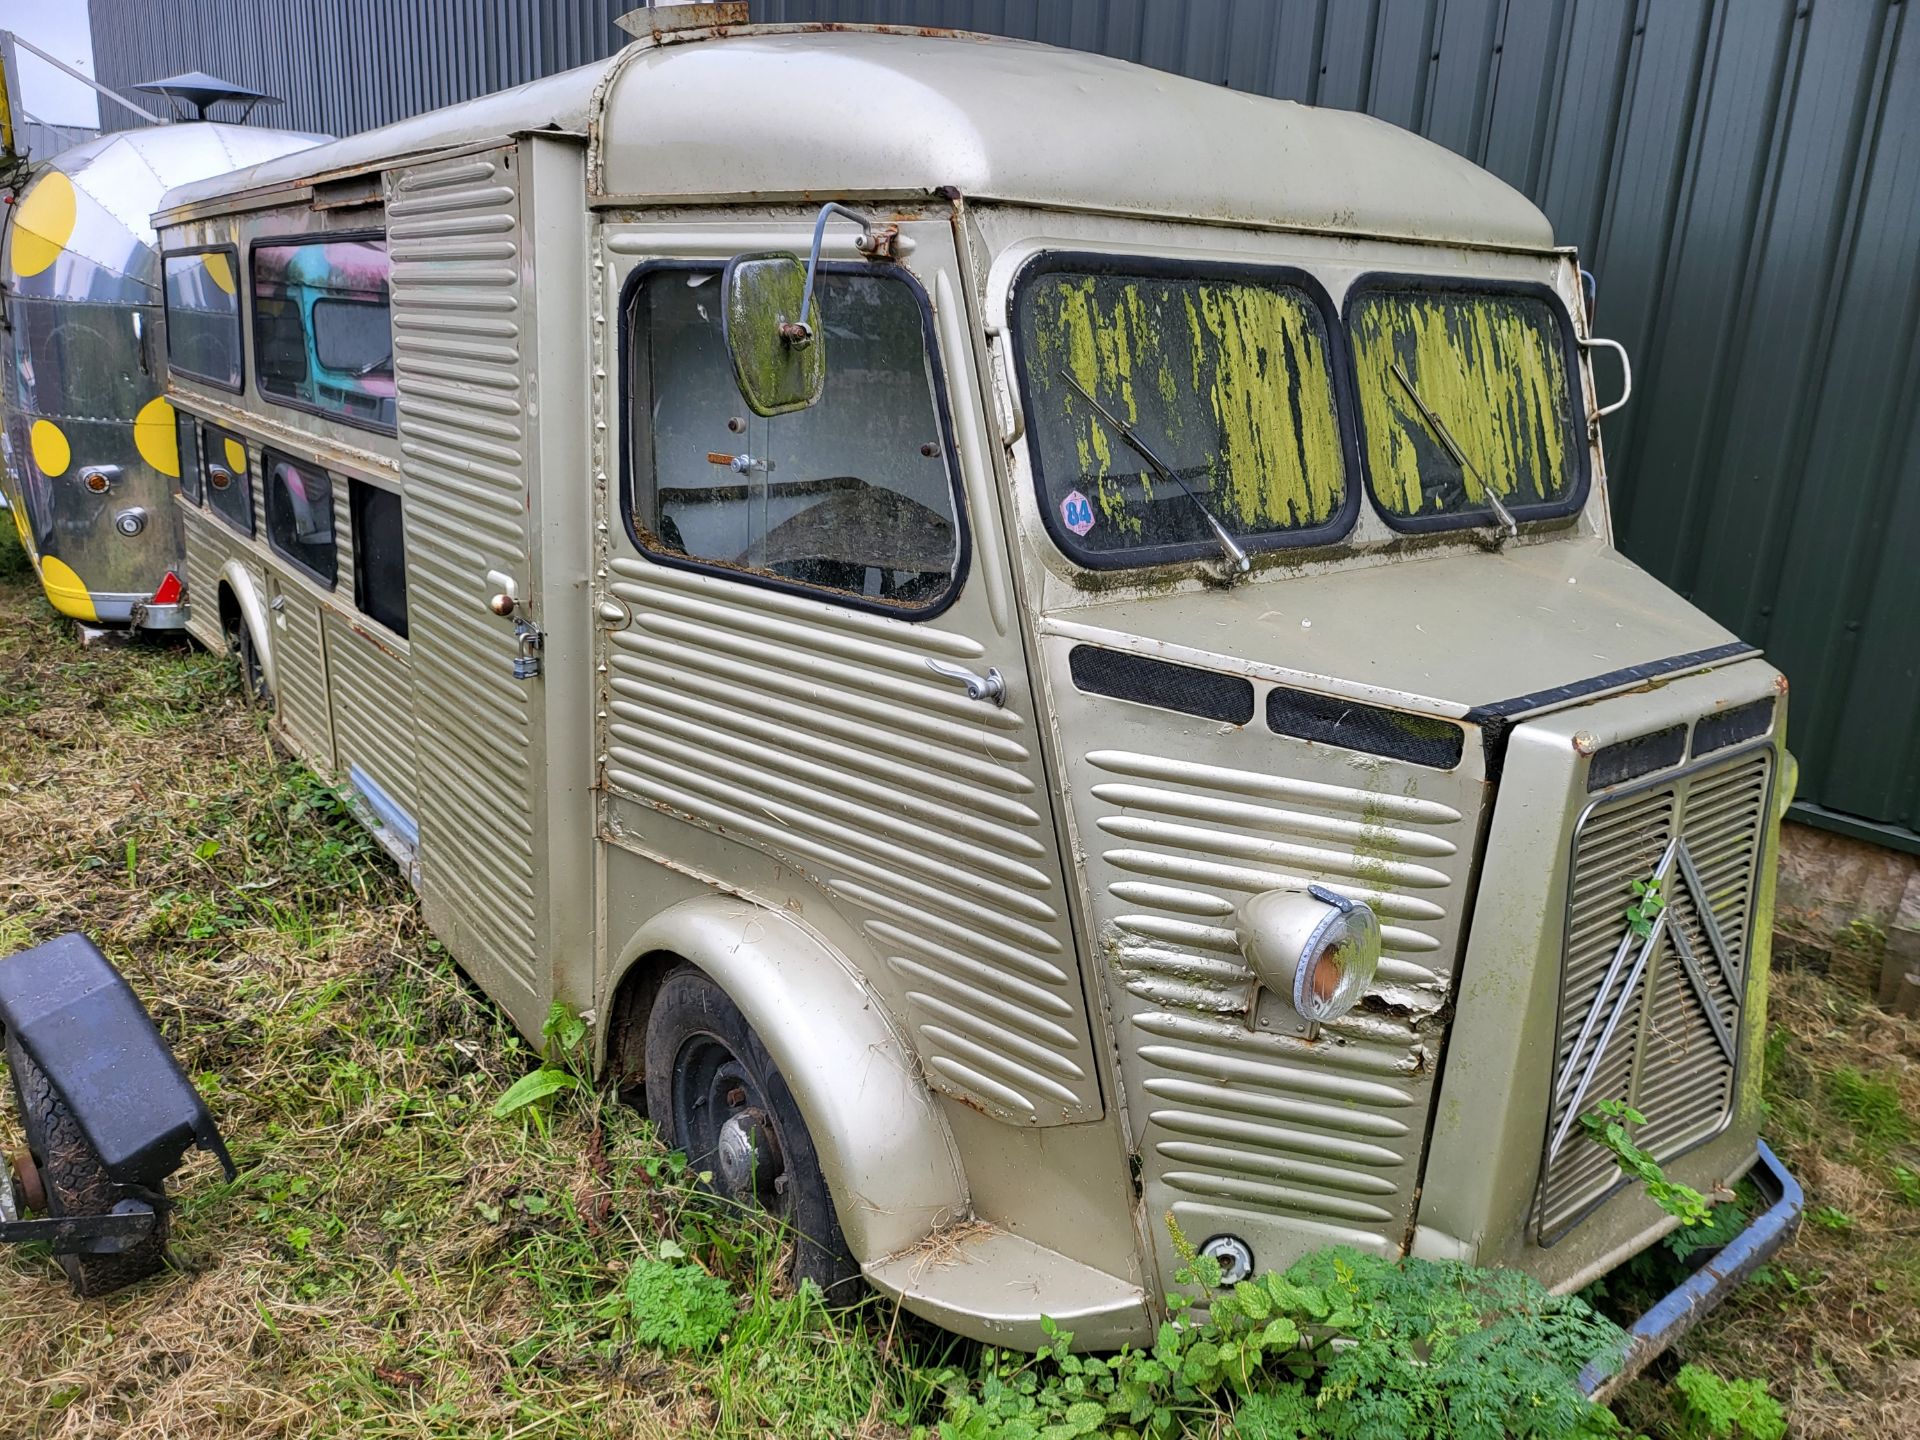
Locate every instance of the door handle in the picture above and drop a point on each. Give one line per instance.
(992, 686)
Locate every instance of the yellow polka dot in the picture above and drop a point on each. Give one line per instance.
(219, 269)
(156, 437)
(43, 223)
(50, 449)
(236, 458)
(66, 590)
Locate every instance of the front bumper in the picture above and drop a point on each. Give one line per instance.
(1687, 1304)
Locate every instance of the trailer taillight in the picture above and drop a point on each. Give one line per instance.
(169, 592)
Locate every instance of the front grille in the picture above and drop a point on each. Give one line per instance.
(1653, 1021)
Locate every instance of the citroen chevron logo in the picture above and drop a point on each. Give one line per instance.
(1628, 972)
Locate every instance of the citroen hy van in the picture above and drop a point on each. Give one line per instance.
(1085, 681)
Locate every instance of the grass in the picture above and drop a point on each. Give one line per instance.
(394, 1261)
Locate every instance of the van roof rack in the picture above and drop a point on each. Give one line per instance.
(197, 90)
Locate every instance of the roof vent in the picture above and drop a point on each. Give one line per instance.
(190, 94)
(672, 16)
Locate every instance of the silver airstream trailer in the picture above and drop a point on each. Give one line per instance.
(87, 435)
(1087, 681)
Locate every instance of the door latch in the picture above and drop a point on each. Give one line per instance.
(533, 640)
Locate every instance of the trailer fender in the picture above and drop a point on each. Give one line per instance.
(884, 1146)
(253, 614)
(79, 1021)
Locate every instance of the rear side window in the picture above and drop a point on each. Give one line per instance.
(1464, 389)
(190, 477)
(229, 486)
(203, 316)
(300, 515)
(323, 328)
(853, 497)
(379, 556)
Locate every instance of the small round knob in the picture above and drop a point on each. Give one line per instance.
(502, 605)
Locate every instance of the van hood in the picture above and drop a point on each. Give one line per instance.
(1465, 634)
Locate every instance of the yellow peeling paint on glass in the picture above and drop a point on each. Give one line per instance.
(157, 437)
(43, 223)
(1234, 376)
(51, 452)
(1489, 366)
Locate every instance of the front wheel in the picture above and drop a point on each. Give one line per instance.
(74, 1182)
(713, 1092)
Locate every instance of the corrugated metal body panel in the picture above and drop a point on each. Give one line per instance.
(300, 671)
(460, 336)
(372, 712)
(817, 733)
(1743, 176)
(1248, 1127)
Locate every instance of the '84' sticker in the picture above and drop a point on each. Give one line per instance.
(1076, 512)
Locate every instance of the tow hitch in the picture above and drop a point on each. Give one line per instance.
(107, 1111)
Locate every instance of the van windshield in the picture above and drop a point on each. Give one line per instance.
(1222, 374)
(1463, 391)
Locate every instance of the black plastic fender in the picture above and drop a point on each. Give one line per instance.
(81, 1023)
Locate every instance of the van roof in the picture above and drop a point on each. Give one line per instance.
(814, 112)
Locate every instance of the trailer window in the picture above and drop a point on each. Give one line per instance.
(189, 438)
(1463, 389)
(203, 316)
(300, 516)
(229, 485)
(853, 496)
(379, 555)
(1224, 375)
(323, 328)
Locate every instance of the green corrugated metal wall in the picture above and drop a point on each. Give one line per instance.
(1742, 175)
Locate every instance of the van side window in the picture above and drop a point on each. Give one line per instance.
(188, 434)
(229, 486)
(853, 496)
(379, 555)
(323, 329)
(202, 300)
(300, 515)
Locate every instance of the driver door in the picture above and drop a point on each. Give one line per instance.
(793, 609)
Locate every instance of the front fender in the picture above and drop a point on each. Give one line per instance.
(886, 1150)
(253, 614)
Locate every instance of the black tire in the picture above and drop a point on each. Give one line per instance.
(76, 1183)
(705, 1068)
(253, 676)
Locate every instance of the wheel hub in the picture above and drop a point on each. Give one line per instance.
(746, 1160)
(26, 1180)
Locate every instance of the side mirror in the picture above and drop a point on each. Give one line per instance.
(770, 321)
(770, 318)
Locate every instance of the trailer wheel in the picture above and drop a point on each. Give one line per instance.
(76, 1183)
(713, 1092)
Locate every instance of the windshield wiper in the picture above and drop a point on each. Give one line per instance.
(1508, 524)
(1160, 468)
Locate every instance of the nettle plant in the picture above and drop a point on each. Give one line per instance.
(1342, 1344)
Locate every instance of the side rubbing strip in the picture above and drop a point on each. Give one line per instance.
(1157, 682)
(1642, 755)
(1730, 727)
(1417, 739)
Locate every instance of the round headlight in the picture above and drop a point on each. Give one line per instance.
(1314, 946)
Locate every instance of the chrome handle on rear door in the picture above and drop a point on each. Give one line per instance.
(992, 686)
